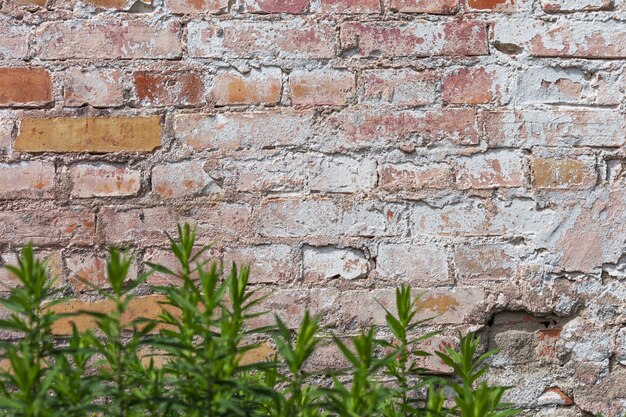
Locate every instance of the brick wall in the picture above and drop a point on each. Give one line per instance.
(470, 148)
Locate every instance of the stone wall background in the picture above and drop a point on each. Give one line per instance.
(471, 148)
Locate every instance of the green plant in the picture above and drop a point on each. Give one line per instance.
(474, 399)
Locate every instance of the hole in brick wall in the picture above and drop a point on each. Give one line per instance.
(508, 48)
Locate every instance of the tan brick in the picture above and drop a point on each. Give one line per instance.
(27, 180)
(452, 305)
(50, 226)
(104, 180)
(256, 87)
(25, 87)
(98, 135)
(101, 87)
(401, 87)
(182, 179)
(171, 88)
(425, 6)
(109, 4)
(269, 264)
(490, 170)
(196, 6)
(413, 177)
(321, 87)
(91, 39)
(412, 263)
(251, 130)
(564, 172)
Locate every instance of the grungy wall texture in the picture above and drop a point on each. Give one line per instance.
(470, 148)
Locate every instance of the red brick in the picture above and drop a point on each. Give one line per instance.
(178, 88)
(269, 264)
(493, 5)
(485, 262)
(477, 85)
(370, 127)
(256, 87)
(277, 6)
(412, 177)
(252, 130)
(98, 135)
(415, 264)
(425, 6)
(14, 39)
(291, 39)
(181, 179)
(568, 6)
(27, 180)
(414, 39)
(92, 269)
(104, 181)
(401, 87)
(25, 87)
(196, 6)
(321, 87)
(351, 7)
(491, 170)
(101, 87)
(48, 226)
(529, 128)
(564, 172)
(564, 39)
(93, 39)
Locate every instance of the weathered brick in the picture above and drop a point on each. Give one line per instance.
(424, 6)
(565, 39)
(29, 3)
(324, 263)
(52, 258)
(101, 87)
(92, 39)
(288, 172)
(6, 135)
(350, 7)
(412, 177)
(295, 38)
(290, 217)
(172, 88)
(568, 6)
(14, 42)
(51, 226)
(27, 180)
(414, 39)
(490, 170)
(401, 87)
(181, 179)
(262, 86)
(269, 264)
(485, 262)
(109, 4)
(494, 5)
(413, 263)
(529, 128)
(145, 306)
(89, 134)
(104, 180)
(25, 87)
(475, 85)
(341, 174)
(564, 172)
(555, 86)
(166, 258)
(215, 223)
(196, 6)
(233, 131)
(276, 6)
(86, 269)
(367, 127)
(321, 87)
